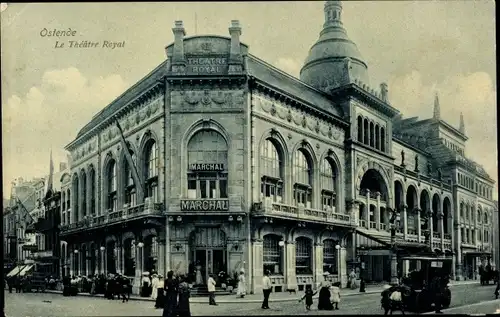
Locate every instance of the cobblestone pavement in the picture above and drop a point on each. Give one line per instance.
(47, 304)
(481, 308)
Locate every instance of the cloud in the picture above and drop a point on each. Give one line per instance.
(289, 65)
(473, 94)
(49, 116)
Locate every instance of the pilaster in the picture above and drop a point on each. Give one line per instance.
(291, 278)
(377, 212)
(318, 264)
(258, 265)
(418, 211)
(405, 221)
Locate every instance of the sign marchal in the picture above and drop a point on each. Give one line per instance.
(205, 205)
(206, 167)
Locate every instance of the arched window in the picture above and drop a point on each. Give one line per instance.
(207, 165)
(462, 211)
(360, 129)
(83, 185)
(130, 191)
(372, 134)
(478, 216)
(92, 181)
(328, 177)
(303, 256)
(377, 137)
(330, 256)
(75, 198)
(485, 218)
(302, 175)
(63, 200)
(68, 200)
(151, 171)
(382, 139)
(271, 163)
(111, 184)
(480, 235)
(273, 254)
(365, 131)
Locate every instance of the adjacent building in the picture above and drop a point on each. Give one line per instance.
(217, 161)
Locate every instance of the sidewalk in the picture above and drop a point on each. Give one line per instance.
(275, 297)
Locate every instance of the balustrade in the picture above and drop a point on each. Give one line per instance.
(116, 216)
(373, 225)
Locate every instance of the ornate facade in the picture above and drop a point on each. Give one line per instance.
(227, 162)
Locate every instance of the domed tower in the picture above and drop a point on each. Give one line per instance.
(334, 60)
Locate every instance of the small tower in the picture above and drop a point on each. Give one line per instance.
(461, 128)
(437, 109)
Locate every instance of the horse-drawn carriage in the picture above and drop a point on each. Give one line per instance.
(418, 290)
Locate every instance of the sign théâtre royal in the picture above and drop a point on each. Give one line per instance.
(207, 65)
(205, 205)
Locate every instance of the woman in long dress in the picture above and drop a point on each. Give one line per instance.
(171, 290)
(160, 300)
(183, 309)
(199, 277)
(242, 288)
(324, 302)
(154, 285)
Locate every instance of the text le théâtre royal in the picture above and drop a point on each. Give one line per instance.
(67, 38)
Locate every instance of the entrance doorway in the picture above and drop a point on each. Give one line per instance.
(208, 261)
(208, 254)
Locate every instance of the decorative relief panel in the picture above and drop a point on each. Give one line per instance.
(207, 99)
(84, 150)
(135, 118)
(298, 118)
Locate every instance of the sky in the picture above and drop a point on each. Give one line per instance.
(419, 48)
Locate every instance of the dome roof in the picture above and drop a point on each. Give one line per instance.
(325, 66)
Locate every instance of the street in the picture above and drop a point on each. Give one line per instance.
(47, 304)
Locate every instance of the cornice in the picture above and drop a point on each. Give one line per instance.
(353, 90)
(156, 88)
(295, 101)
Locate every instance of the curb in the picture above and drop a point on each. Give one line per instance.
(203, 300)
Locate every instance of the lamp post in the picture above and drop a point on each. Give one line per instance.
(337, 247)
(102, 248)
(394, 222)
(140, 245)
(76, 264)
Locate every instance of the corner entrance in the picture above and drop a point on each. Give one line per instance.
(208, 254)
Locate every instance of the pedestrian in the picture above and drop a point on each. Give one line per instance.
(160, 299)
(154, 287)
(171, 290)
(308, 295)
(242, 288)
(145, 282)
(437, 289)
(497, 290)
(10, 282)
(211, 290)
(335, 295)
(324, 302)
(266, 289)
(183, 309)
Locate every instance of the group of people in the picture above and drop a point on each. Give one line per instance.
(16, 282)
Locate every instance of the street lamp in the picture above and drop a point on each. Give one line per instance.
(394, 222)
(102, 248)
(77, 267)
(140, 245)
(281, 243)
(337, 247)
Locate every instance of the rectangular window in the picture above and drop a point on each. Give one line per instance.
(207, 185)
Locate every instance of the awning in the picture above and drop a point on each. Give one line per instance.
(15, 270)
(386, 240)
(26, 269)
(477, 253)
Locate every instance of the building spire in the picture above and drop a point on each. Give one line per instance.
(437, 110)
(461, 128)
(50, 181)
(333, 13)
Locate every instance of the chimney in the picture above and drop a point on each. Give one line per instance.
(235, 58)
(178, 58)
(63, 166)
(384, 91)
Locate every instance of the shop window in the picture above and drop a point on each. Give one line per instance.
(303, 256)
(330, 257)
(272, 254)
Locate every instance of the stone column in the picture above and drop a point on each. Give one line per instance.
(353, 209)
(318, 263)
(458, 252)
(431, 230)
(367, 213)
(291, 278)
(119, 257)
(377, 212)
(72, 264)
(161, 257)
(258, 265)
(342, 256)
(97, 264)
(405, 221)
(441, 228)
(102, 263)
(86, 258)
(417, 212)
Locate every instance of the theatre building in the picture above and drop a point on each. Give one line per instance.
(217, 161)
